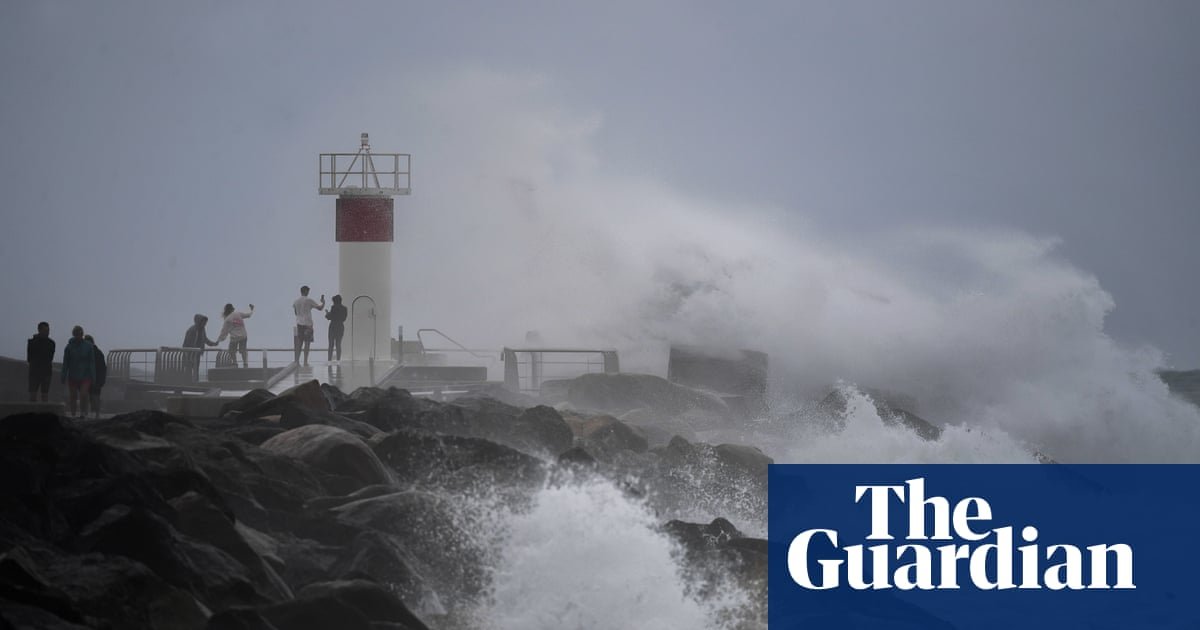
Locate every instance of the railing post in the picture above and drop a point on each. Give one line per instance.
(611, 364)
(512, 378)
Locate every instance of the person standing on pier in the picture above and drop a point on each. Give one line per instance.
(235, 328)
(337, 326)
(39, 352)
(197, 337)
(78, 371)
(101, 375)
(303, 307)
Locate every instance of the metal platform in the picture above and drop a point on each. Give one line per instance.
(345, 375)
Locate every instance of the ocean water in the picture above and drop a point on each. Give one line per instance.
(586, 555)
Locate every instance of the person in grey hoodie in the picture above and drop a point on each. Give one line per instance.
(197, 336)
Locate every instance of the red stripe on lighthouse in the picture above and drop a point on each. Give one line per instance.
(364, 219)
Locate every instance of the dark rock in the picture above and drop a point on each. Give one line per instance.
(372, 600)
(305, 395)
(31, 427)
(305, 561)
(744, 460)
(249, 400)
(296, 416)
(200, 519)
(17, 616)
(328, 503)
(317, 613)
(21, 582)
(451, 461)
(239, 619)
(149, 422)
(577, 456)
(333, 451)
(366, 399)
(183, 562)
(696, 537)
(728, 479)
(381, 558)
(424, 522)
(605, 435)
(333, 396)
(118, 592)
(256, 434)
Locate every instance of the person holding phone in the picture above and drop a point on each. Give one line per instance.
(303, 333)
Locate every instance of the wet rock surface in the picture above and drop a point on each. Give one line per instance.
(318, 509)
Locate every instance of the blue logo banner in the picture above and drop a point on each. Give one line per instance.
(983, 546)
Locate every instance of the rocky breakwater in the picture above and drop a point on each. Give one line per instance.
(318, 509)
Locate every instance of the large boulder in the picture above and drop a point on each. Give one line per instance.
(308, 395)
(95, 590)
(382, 558)
(537, 430)
(332, 450)
(297, 416)
(184, 562)
(456, 462)
(199, 518)
(605, 435)
(239, 619)
(717, 555)
(428, 527)
(724, 479)
(316, 613)
(249, 400)
(375, 602)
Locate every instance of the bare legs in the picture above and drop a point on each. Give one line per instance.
(78, 396)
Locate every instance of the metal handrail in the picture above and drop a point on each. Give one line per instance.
(447, 338)
(142, 369)
(609, 363)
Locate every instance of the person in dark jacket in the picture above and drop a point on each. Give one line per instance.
(101, 375)
(337, 326)
(197, 337)
(78, 371)
(39, 352)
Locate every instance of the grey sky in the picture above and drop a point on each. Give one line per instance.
(159, 158)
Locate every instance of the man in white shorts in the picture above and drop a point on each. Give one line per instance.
(303, 307)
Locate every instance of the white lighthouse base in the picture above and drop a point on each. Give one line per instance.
(366, 288)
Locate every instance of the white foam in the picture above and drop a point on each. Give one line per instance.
(587, 556)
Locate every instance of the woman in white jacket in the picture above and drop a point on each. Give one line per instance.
(235, 328)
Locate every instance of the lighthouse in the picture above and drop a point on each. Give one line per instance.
(365, 184)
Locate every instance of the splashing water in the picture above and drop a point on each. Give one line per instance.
(586, 556)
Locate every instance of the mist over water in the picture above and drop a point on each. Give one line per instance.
(991, 331)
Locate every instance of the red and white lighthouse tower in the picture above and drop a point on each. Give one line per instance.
(365, 184)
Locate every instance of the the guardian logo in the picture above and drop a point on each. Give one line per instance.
(971, 553)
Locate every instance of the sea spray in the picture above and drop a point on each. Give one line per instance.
(864, 437)
(586, 555)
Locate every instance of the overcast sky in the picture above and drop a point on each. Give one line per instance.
(159, 158)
